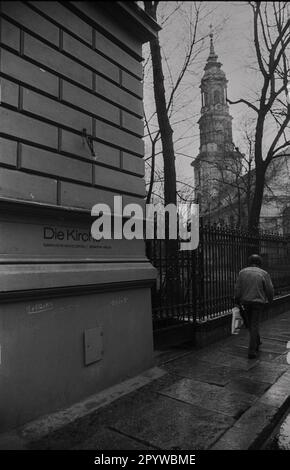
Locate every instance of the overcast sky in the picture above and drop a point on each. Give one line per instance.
(232, 24)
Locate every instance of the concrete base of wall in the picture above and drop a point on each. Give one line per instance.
(212, 330)
(59, 351)
(203, 334)
(174, 335)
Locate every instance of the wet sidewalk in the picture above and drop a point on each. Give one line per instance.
(211, 398)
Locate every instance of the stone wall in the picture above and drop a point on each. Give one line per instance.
(75, 313)
(59, 75)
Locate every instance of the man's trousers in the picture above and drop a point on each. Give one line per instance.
(253, 312)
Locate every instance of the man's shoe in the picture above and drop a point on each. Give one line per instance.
(252, 355)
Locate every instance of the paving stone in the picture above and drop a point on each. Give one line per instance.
(264, 372)
(268, 356)
(204, 372)
(226, 359)
(247, 428)
(281, 359)
(273, 332)
(107, 439)
(166, 355)
(189, 390)
(276, 335)
(271, 366)
(286, 376)
(276, 397)
(79, 430)
(242, 351)
(210, 397)
(165, 381)
(248, 386)
(273, 329)
(272, 346)
(234, 439)
(235, 350)
(257, 417)
(242, 337)
(282, 338)
(170, 424)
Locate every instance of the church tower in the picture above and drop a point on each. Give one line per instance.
(213, 165)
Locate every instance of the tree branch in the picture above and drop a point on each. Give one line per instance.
(242, 100)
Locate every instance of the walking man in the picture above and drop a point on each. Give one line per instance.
(253, 290)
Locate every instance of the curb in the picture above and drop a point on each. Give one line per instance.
(254, 427)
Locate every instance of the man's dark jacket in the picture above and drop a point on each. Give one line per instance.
(254, 285)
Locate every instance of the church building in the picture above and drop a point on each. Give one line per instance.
(223, 176)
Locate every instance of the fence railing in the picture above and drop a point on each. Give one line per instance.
(195, 286)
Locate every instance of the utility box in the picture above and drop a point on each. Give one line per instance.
(75, 313)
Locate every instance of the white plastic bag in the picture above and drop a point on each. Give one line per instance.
(237, 321)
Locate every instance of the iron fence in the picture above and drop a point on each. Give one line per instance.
(195, 286)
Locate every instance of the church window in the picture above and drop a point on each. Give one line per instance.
(217, 97)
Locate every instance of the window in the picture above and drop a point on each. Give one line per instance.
(217, 97)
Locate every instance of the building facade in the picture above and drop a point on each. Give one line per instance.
(224, 177)
(75, 313)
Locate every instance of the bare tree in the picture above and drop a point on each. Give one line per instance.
(236, 177)
(228, 192)
(271, 30)
(165, 128)
(167, 109)
(234, 180)
(165, 92)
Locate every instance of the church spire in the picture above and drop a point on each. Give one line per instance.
(216, 152)
(215, 121)
(212, 55)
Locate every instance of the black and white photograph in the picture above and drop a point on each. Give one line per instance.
(144, 232)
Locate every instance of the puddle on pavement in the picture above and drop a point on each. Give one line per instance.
(281, 436)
